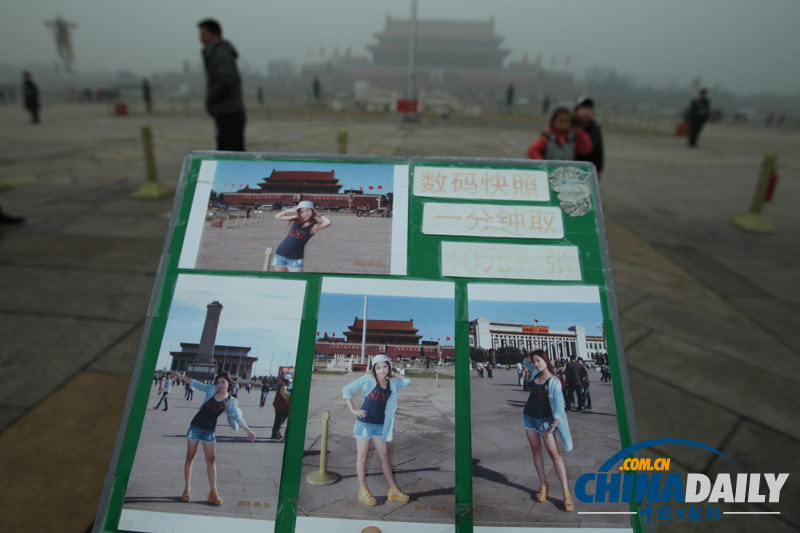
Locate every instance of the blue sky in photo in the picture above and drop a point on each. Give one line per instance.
(233, 175)
(556, 315)
(260, 313)
(434, 317)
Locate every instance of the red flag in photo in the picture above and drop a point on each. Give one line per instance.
(318, 334)
(380, 186)
(370, 187)
(361, 189)
(447, 338)
(536, 320)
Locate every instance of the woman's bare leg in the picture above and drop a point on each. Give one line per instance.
(191, 449)
(558, 462)
(536, 449)
(362, 453)
(209, 449)
(386, 464)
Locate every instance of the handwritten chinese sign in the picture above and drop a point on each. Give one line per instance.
(510, 261)
(482, 220)
(482, 183)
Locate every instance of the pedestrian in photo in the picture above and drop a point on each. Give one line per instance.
(31, 92)
(166, 387)
(583, 118)
(264, 393)
(560, 141)
(542, 417)
(574, 384)
(223, 87)
(282, 404)
(188, 393)
(304, 222)
(585, 383)
(697, 115)
(489, 368)
(375, 422)
(204, 426)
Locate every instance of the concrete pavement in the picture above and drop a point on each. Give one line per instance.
(709, 314)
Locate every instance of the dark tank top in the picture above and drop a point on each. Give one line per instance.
(293, 246)
(206, 417)
(375, 404)
(538, 404)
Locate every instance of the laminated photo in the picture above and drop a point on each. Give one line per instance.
(289, 216)
(211, 445)
(382, 405)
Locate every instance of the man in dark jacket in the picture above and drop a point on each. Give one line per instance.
(31, 91)
(696, 116)
(583, 118)
(574, 384)
(223, 87)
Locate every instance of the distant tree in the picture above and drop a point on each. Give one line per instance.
(479, 355)
(508, 355)
(215, 196)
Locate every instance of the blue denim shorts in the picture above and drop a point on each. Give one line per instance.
(280, 261)
(365, 430)
(539, 425)
(205, 435)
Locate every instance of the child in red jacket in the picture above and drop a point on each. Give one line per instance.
(560, 141)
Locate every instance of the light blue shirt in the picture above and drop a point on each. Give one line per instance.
(556, 406)
(366, 383)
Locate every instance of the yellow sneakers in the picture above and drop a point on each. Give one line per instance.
(214, 498)
(397, 495)
(366, 497)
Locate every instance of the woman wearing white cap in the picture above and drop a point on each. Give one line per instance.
(304, 222)
(374, 421)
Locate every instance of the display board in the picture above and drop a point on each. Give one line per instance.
(422, 323)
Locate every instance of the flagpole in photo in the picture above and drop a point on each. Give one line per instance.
(364, 332)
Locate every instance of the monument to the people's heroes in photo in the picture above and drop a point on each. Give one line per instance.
(203, 367)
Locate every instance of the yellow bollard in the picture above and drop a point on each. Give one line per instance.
(342, 138)
(321, 477)
(152, 189)
(753, 221)
(267, 258)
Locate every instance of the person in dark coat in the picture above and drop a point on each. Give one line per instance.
(223, 87)
(31, 92)
(696, 116)
(574, 384)
(510, 95)
(146, 96)
(583, 118)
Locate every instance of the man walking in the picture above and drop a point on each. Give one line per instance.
(223, 87)
(31, 91)
(165, 390)
(696, 116)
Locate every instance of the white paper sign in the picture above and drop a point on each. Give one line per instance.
(510, 261)
(482, 183)
(490, 220)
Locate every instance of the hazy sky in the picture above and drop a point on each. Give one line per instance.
(745, 46)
